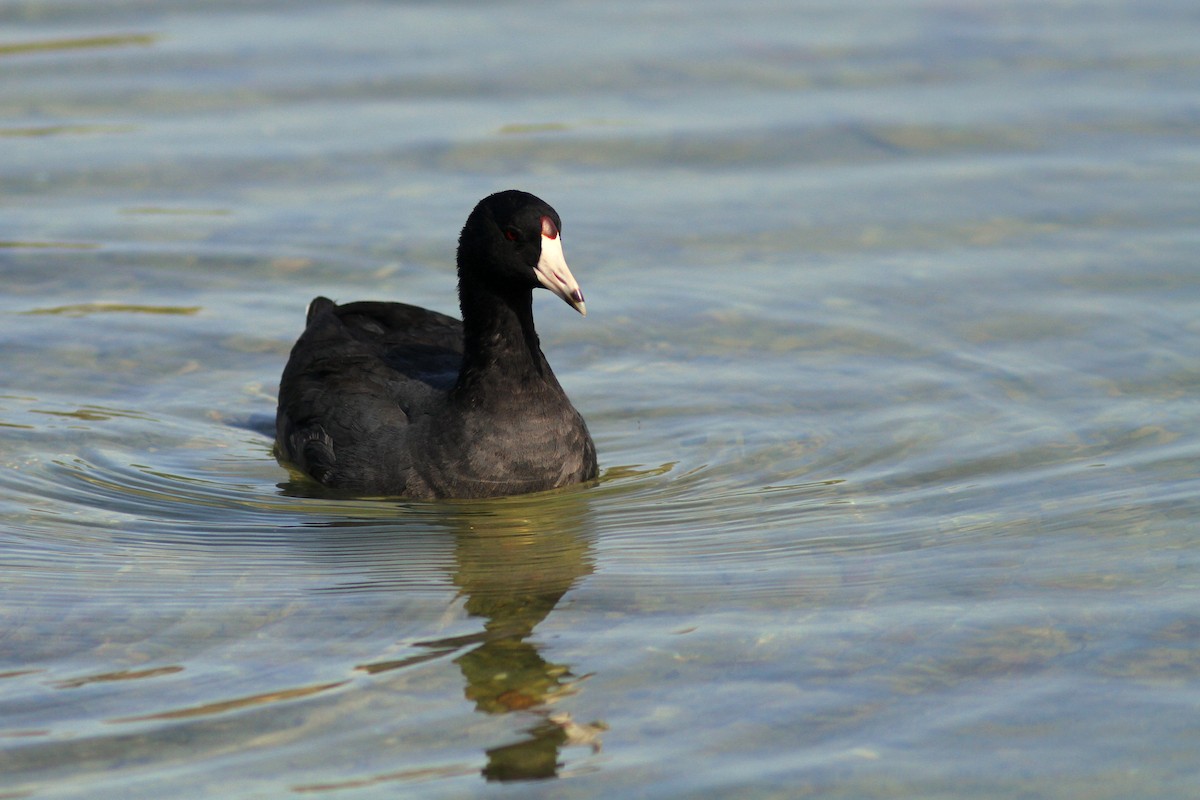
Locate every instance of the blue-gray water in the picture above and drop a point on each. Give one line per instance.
(891, 361)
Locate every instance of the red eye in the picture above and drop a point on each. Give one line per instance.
(510, 234)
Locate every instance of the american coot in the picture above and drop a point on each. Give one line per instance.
(392, 399)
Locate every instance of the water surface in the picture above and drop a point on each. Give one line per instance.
(890, 361)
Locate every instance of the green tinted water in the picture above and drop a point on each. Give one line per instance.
(890, 360)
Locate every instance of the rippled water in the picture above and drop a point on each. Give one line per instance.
(890, 361)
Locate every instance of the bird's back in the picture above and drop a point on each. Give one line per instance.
(357, 379)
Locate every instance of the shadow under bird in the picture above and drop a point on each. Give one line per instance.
(390, 399)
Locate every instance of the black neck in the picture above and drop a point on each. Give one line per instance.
(500, 345)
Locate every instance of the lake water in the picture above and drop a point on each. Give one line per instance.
(891, 361)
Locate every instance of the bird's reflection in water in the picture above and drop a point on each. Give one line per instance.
(513, 561)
